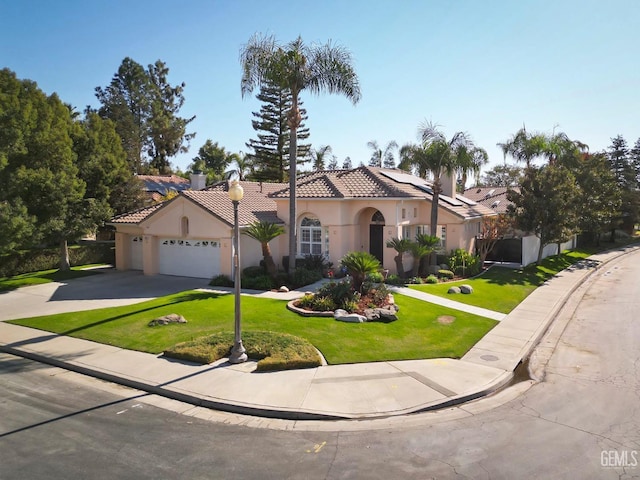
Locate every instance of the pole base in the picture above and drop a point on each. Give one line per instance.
(238, 354)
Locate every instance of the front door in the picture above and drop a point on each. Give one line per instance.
(375, 241)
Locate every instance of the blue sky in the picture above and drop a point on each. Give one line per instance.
(484, 67)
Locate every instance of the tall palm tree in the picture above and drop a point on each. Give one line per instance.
(475, 159)
(382, 158)
(264, 232)
(437, 156)
(524, 146)
(320, 156)
(244, 167)
(297, 67)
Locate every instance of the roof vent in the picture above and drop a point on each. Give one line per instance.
(495, 204)
(489, 193)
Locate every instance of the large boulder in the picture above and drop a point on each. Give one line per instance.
(344, 316)
(454, 290)
(167, 319)
(466, 289)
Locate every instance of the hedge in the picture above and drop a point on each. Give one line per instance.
(27, 261)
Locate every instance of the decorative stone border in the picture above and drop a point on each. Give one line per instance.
(307, 313)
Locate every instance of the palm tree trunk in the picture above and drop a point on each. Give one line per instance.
(269, 264)
(399, 265)
(294, 116)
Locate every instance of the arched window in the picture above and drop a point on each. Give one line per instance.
(310, 236)
(377, 218)
(184, 226)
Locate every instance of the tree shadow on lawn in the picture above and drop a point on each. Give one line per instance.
(535, 275)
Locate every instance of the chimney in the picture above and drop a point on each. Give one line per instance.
(198, 181)
(448, 185)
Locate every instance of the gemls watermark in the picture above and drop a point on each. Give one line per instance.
(615, 458)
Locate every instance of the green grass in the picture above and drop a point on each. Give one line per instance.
(416, 335)
(44, 276)
(502, 289)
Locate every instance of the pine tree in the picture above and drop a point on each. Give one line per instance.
(270, 156)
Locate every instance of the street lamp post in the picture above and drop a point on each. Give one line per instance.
(238, 352)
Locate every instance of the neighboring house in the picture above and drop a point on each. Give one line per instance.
(158, 186)
(338, 211)
(520, 248)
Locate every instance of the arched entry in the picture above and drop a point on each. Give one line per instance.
(376, 234)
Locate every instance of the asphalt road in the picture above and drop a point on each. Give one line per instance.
(582, 421)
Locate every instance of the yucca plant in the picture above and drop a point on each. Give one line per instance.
(400, 245)
(264, 232)
(359, 264)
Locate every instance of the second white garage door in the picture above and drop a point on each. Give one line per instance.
(189, 258)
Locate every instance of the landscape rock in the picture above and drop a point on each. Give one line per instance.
(344, 316)
(283, 289)
(454, 290)
(167, 319)
(466, 289)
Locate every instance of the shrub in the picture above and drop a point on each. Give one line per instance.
(221, 281)
(316, 262)
(359, 264)
(323, 304)
(253, 271)
(374, 277)
(303, 277)
(394, 280)
(463, 263)
(36, 260)
(260, 282)
(379, 294)
(448, 274)
(274, 351)
(416, 280)
(339, 292)
(431, 279)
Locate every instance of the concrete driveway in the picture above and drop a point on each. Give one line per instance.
(108, 288)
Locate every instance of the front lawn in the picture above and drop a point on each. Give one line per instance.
(44, 276)
(416, 335)
(502, 289)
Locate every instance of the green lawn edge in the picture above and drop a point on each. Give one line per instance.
(416, 335)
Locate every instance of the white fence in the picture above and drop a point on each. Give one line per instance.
(531, 243)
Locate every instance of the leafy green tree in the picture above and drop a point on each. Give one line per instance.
(359, 264)
(346, 165)
(264, 232)
(102, 164)
(600, 198)
(502, 176)
(438, 156)
(321, 157)
(17, 225)
(167, 130)
(401, 246)
(271, 150)
(213, 160)
(626, 177)
(297, 67)
(144, 108)
(39, 166)
(546, 204)
(382, 158)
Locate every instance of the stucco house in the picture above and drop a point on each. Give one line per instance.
(338, 211)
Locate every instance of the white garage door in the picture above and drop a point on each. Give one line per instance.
(189, 258)
(136, 253)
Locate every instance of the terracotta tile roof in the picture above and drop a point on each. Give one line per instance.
(494, 198)
(136, 216)
(255, 206)
(373, 182)
(258, 187)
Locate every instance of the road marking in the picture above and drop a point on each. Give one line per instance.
(317, 447)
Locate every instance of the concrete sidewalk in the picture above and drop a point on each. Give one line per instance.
(356, 391)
